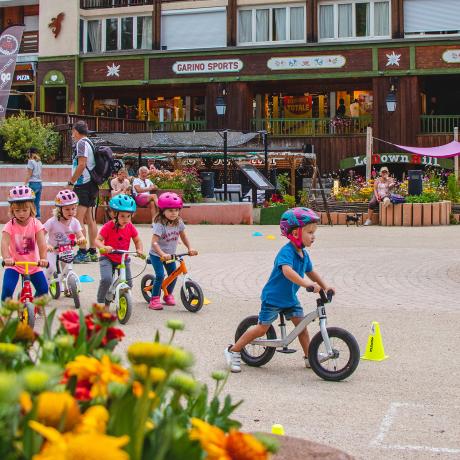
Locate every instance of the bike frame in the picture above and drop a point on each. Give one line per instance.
(119, 283)
(180, 270)
(285, 340)
(64, 270)
(26, 290)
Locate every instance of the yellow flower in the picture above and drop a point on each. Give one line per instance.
(233, 446)
(98, 373)
(149, 353)
(24, 333)
(138, 389)
(157, 374)
(94, 420)
(79, 446)
(53, 408)
(25, 401)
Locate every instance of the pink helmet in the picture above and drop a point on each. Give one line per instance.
(170, 200)
(66, 198)
(21, 193)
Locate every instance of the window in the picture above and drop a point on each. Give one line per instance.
(271, 24)
(354, 19)
(113, 34)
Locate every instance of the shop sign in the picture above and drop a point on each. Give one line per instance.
(23, 77)
(54, 77)
(451, 56)
(396, 158)
(297, 106)
(335, 61)
(213, 66)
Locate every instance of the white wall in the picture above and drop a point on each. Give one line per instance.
(67, 41)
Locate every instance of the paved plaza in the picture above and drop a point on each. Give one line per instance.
(407, 279)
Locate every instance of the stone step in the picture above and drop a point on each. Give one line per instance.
(49, 191)
(13, 173)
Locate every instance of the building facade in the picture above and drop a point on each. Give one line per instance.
(310, 71)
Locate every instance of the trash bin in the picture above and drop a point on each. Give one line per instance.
(207, 184)
(415, 182)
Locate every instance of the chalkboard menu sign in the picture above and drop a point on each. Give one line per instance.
(257, 179)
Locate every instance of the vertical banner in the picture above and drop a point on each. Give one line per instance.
(10, 41)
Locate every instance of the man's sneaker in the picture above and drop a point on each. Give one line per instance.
(81, 258)
(321, 356)
(93, 256)
(233, 359)
(368, 222)
(155, 303)
(169, 300)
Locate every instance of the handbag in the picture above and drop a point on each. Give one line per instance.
(397, 199)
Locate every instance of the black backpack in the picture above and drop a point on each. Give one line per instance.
(103, 157)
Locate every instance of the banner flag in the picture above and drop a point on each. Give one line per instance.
(10, 41)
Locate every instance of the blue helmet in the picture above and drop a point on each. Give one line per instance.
(122, 203)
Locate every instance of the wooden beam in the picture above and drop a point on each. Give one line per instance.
(310, 21)
(232, 21)
(156, 29)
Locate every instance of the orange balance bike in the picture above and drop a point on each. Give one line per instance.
(26, 297)
(190, 293)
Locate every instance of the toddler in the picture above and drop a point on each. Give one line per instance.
(280, 292)
(167, 228)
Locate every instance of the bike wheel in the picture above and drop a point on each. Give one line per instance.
(72, 286)
(346, 355)
(192, 296)
(55, 288)
(28, 314)
(124, 307)
(146, 286)
(255, 355)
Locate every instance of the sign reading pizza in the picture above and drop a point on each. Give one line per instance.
(211, 66)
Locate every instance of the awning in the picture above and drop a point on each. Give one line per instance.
(443, 151)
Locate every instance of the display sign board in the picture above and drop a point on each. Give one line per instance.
(306, 62)
(257, 179)
(451, 56)
(397, 158)
(214, 66)
(23, 77)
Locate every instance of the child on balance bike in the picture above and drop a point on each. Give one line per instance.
(280, 292)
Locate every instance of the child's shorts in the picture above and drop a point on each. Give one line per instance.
(269, 313)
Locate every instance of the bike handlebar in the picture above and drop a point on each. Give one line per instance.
(326, 297)
(121, 251)
(25, 263)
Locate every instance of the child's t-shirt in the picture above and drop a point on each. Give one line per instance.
(23, 243)
(279, 291)
(169, 235)
(58, 232)
(118, 238)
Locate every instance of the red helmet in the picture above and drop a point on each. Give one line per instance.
(170, 200)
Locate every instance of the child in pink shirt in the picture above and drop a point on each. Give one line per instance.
(23, 239)
(116, 234)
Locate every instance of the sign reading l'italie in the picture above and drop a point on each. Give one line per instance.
(396, 158)
(451, 56)
(334, 61)
(211, 66)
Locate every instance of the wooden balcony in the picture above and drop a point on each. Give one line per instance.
(439, 124)
(97, 4)
(29, 44)
(311, 127)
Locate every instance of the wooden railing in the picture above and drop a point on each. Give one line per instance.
(295, 127)
(94, 4)
(178, 125)
(29, 42)
(431, 124)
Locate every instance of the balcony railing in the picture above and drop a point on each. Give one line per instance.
(178, 125)
(431, 124)
(95, 4)
(29, 42)
(309, 127)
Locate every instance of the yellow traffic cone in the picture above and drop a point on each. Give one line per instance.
(374, 347)
(278, 429)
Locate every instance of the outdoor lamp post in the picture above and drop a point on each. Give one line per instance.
(221, 108)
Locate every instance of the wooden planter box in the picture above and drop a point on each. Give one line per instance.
(415, 214)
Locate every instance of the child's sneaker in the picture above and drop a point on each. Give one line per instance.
(93, 257)
(169, 300)
(233, 359)
(368, 222)
(155, 303)
(321, 356)
(81, 258)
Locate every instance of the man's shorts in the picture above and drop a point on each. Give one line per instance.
(269, 313)
(87, 194)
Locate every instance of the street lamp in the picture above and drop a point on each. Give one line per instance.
(221, 108)
(391, 97)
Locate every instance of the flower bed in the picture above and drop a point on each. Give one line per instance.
(186, 180)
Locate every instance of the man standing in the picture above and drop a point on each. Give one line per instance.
(87, 191)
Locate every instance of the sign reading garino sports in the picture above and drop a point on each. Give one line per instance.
(10, 40)
(211, 66)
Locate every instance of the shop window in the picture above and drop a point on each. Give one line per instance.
(144, 32)
(271, 24)
(111, 34)
(126, 33)
(354, 20)
(94, 36)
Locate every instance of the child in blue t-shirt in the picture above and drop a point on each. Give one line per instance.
(280, 292)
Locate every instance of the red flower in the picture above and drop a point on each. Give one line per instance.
(114, 333)
(71, 322)
(83, 390)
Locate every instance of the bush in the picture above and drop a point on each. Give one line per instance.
(453, 189)
(20, 133)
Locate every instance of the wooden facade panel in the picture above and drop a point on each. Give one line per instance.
(113, 70)
(394, 58)
(356, 61)
(430, 57)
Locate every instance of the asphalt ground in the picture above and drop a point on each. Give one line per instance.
(407, 279)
